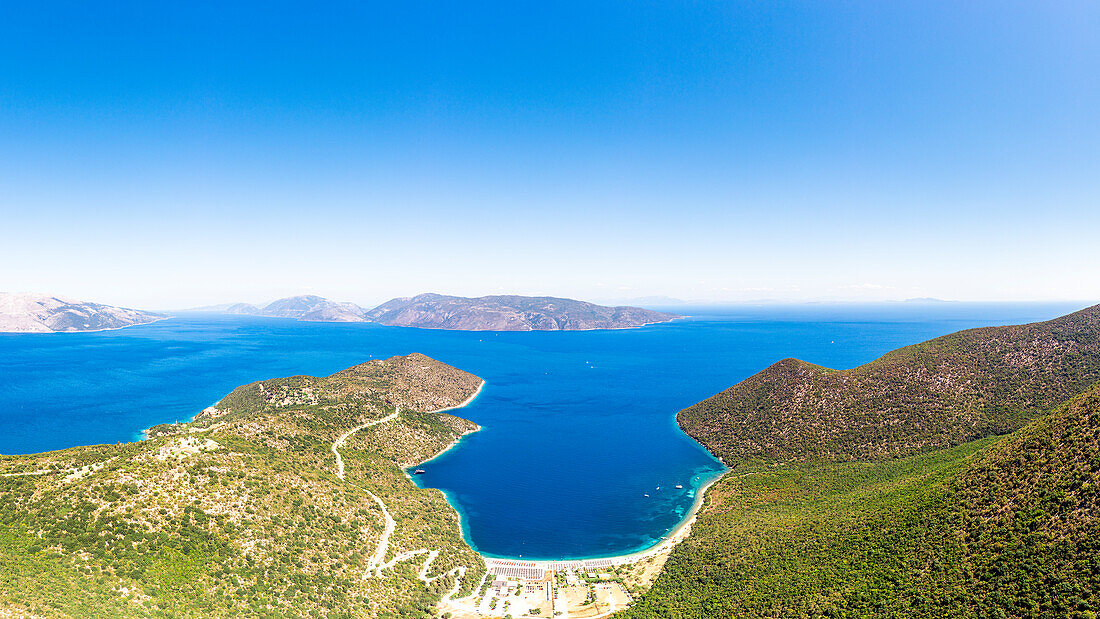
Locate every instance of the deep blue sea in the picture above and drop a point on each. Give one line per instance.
(577, 426)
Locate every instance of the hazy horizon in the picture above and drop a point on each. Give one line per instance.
(658, 303)
(184, 155)
(671, 303)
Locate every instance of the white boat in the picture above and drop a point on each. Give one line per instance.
(679, 486)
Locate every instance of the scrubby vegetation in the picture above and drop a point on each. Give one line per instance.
(943, 392)
(883, 491)
(1002, 526)
(240, 513)
(992, 528)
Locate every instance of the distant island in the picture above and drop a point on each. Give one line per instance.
(309, 308)
(436, 311)
(926, 300)
(41, 313)
(510, 313)
(34, 313)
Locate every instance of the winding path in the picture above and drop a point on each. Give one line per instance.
(377, 564)
(344, 438)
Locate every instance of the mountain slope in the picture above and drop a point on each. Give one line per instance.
(39, 313)
(509, 313)
(855, 493)
(1031, 514)
(935, 394)
(1000, 527)
(243, 512)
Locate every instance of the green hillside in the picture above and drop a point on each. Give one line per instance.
(942, 392)
(242, 512)
(909, 519)
(992, 528)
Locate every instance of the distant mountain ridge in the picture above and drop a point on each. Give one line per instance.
(30, 313)
(41, 313)
(491, 313)
(309, 308)
(510, 313)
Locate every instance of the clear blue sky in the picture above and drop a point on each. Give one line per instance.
(168, 154)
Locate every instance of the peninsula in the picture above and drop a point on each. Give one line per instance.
(510, 313)
(957, 477)
(287, 497)
(41, 313)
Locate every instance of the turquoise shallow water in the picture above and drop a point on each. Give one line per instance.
(577, 426)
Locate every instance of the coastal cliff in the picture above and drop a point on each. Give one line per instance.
(39, 313)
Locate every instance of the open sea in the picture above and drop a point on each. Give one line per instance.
(577, 426)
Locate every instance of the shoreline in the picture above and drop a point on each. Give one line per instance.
(450, 445)
(144, 433)
(462, 531)
(667, 543)
(638, 326)
(465, 402)
(136, 324)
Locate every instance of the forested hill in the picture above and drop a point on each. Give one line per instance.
(1030, 516)
(1000, 527)
(938, 393)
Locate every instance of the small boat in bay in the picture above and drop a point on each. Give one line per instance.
(679, 486)
(419, 472)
